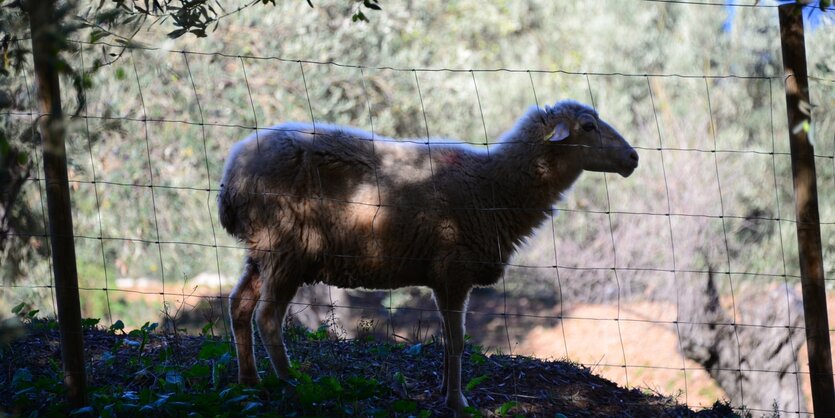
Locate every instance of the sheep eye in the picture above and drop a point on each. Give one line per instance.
(588, 126)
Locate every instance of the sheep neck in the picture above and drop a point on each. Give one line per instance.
(524, 181)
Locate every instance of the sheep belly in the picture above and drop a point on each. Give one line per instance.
(341, 243)
(353, 274)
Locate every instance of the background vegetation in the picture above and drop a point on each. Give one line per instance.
(696, 89)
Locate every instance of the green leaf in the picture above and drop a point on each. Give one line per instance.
(332, 384)
(358, 388)
(87, 81)
(321, 333)
(226, 392)
(472, 411)
(89, 323)
(309, 393)
(22, 158)
(238, 399)
(251, 407)
(177, 33)
(121, 74)
(18, 308)
(96, 35)
(86, 410)
(414, 350)
(163, 399)
(118, 326)
(475, 382)
(477, 359)
(404, 406)
(4, 145)
(173, 377)
(371, 5)
(506, 407)
(21, 376)
(212, 350)
(197, 371)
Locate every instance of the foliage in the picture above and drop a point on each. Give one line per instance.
(117, 22)
(475, 382)
(194, 376)
(166, 119)
(200, 387)
(22, 312)
(195, 17)
(112, 148)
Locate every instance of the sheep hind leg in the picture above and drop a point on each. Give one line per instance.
(444, 380)
(453, 305)
(275, 297)
(243, 300)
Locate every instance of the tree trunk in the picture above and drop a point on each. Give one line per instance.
(764, 373)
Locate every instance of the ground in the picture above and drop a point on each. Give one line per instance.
(145, 372)
(597, 342)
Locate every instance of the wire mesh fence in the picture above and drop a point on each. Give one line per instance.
(682, 278)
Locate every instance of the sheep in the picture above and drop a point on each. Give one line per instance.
(337, 205)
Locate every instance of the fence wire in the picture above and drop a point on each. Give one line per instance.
(152, 232)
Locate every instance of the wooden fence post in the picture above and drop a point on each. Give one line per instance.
(798, 110)
(45, 48)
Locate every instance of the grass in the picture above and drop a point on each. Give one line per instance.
(145, 372)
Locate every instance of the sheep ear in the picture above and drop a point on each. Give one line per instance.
(561, 132)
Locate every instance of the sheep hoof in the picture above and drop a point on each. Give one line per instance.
(248, 380)
(283, 372)
(456, 403)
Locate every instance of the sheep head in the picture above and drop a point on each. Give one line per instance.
(591, 141)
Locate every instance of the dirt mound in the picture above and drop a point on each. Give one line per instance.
(148, 373)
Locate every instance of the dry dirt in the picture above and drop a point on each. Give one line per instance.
(653, 359)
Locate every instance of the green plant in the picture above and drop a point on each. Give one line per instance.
(472, 412)
(208, 329)
(506, 407)
(320, 334)
(30, 317)
(475, 382)
(142, 333)
(219, 356)
(117, 326)
(25, 314)
(89, 323)
(32, 392)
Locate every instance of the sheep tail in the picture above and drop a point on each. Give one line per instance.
(228, 210)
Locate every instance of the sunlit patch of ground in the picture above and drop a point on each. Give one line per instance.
(646, 338)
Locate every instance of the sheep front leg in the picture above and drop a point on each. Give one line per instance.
(243, 300)
(275, 297)
(453, 305)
